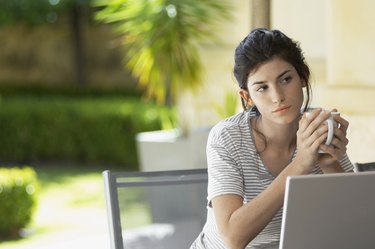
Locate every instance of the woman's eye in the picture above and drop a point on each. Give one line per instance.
(287, 79)
(261, 89)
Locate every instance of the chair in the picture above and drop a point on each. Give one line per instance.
(361, 167)
(159, 210)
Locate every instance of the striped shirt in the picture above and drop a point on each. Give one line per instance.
(235, 167)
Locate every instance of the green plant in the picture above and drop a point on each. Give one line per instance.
(90, 129)
(18, 198)
(229, 107)
(42, 89)
(162, 38)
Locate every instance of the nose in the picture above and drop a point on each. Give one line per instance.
(278, 95)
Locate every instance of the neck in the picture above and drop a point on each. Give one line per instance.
(277, 136)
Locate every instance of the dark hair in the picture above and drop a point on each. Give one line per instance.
(261, 45)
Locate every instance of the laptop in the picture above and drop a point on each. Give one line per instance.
(329, 211)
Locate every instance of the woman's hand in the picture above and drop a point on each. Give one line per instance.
(337, 149)
(312, 132)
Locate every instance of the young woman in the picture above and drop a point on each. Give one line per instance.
(251, 154)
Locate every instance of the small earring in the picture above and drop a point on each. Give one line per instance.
(248, 105)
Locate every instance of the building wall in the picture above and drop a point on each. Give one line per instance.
(44, 55)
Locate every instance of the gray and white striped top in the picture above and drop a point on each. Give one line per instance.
(235, 167)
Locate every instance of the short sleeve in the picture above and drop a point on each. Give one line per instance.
(224, 174)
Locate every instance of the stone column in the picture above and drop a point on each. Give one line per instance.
(260, 13)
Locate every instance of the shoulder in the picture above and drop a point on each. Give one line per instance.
(231, 127)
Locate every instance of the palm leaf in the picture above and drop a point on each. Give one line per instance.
(161, 38)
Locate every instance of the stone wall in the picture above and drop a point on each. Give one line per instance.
(44, 54)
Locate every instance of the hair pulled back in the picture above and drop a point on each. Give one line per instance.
(260, 46)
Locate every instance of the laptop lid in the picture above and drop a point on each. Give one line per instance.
(329, 211)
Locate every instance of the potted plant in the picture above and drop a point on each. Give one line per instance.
(161, 40)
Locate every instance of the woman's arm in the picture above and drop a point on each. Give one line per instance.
(240, 223)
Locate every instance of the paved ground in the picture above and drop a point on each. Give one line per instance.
(86, 231)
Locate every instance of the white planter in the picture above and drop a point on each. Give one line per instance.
(169, 150)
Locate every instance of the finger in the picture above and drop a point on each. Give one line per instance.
(341, 145)
(321, 137)
(308, 117)
(344, 124)
(318, 136)
(328, 150)
(336, 144)
(331, 150)
(324, 148)
(318, 120)
(340, 135)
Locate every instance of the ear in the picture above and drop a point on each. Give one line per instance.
(246, 97)
(303, 83)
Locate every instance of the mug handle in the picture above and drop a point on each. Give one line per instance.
(330, 130)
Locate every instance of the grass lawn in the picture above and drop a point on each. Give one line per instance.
(71, 211)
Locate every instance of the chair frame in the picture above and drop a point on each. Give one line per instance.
(363, 167)
(111, 186)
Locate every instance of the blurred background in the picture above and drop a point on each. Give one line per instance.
(90, 85)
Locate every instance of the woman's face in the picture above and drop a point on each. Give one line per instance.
(275, 88)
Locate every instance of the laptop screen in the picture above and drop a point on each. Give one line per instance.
(329, 211)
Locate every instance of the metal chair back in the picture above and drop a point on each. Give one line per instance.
(160, 210)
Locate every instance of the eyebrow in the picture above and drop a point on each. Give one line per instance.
(278, 77)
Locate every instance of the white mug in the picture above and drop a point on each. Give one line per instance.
(332, 124)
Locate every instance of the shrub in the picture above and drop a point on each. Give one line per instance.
(43, 89)
(88, 130)
(18, 198)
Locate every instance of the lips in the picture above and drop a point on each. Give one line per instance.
(282, 108)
